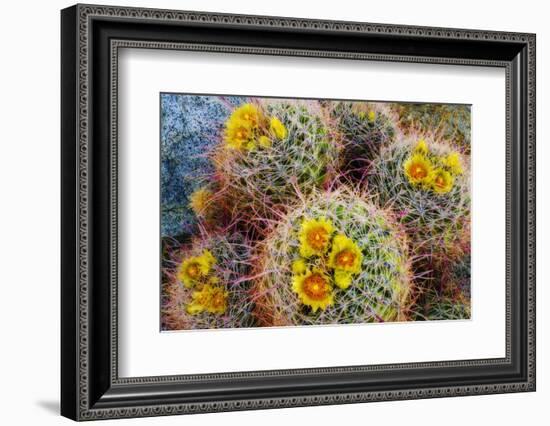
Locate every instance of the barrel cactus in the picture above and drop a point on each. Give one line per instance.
(273, 151)
(447, 121)
(365, 127)
(450, 300)
(205, 285)
(335, 258)
(426, 183)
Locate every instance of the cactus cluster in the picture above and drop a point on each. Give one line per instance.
(309, 212)
(335, 258)
(273, 152)
(426, 183)
(205, 285)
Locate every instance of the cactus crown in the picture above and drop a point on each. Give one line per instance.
(334, 259)
(206, 286)
(427, 184)
(290, 153)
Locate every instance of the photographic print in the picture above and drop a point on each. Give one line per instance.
(297, 212)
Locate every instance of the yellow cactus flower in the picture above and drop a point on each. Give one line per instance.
(299, 266)
(314, 289)
(345, 254)
(372, 116)
(452, 161)
(199, 200)
(250, 145)
(200, 299)
(213, 280)
(278, 128)
(239, 134)
(421, 147)
(218, 301)
(417, 169)
(207, 256)
(195, 268)
(247, 113)
(212, 299)
(441, 181)
(343, 279)
(315, 237)
(264, 141)
(345, 258)
(241, 127)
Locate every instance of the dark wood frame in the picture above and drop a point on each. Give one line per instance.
(91, 37)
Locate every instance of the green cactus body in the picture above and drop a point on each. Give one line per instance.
(451, 301)
(265, 178)
(378, 290)
(436, 218)
(227, 274)
(446, 308)
(365, 128)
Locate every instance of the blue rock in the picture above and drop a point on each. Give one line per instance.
(190, 126)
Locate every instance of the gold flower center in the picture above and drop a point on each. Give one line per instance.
(439, 181)
(317, 238)
(345, 258)
(218, 301)
(315, 286)
(193, 271)
(418, 172)
(203, 299)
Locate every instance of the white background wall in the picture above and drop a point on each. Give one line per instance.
(29, 212)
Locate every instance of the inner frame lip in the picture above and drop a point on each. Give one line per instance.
(117, 44)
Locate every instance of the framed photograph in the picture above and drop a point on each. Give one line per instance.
(263, 212)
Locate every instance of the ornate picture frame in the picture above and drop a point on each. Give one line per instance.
(91, 38)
